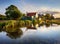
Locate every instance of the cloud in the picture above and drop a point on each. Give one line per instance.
(31, 8)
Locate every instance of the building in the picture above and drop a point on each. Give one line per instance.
(32, 14)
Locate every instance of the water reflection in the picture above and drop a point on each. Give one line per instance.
(1, 30)
(15, 35)
(39, 25)
(40, 35)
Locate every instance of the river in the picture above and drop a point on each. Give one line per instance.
(42, 35)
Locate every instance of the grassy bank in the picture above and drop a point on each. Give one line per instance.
(56, 22)
(12, 25)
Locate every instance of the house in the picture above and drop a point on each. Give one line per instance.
(32, 14)
(29, 16)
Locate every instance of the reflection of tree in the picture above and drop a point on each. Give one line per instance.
(28, 23)
(15, 35)
(47, 25)
(1, 30)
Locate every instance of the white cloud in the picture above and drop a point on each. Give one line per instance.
(30, 8)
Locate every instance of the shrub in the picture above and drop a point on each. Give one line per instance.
(2, 25)
(28, 23)
(21, 23)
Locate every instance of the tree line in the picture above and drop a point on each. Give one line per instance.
(13, 13)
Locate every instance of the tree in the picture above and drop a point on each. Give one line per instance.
(28, 23)
(15, 35)
(12, 12)
(24, 15)
(49, 17)
(21, 23)
(52, 17)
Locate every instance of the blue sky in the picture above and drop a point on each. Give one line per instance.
(31, 5)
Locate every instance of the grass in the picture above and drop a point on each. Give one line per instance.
(56, 22)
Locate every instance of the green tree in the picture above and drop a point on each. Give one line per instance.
(49, 17)
(28, 23)
(21, 23)
(24, 15)
(52, 17)
(12, 12)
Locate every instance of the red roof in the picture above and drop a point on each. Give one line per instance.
(31, 14)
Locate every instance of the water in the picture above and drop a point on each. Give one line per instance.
(42, 35)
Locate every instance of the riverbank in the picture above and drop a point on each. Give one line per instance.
(12, 25)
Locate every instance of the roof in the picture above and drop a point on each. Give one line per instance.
(31, 14)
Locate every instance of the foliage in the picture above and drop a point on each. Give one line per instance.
(28, 23)
(34, 22)
(48, 17)
(1, 25)
(10, 26)
(24, 14)
(15, 35)
(12, 12)
(21, 23)
(2, 17)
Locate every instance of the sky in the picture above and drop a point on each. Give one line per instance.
(31, 5)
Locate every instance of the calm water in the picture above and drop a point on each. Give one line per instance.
(42, 35)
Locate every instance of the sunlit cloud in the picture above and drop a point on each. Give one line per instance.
(31, 8)
(27, 7)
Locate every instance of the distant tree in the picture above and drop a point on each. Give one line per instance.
(52, 17)
(24, 14)
(49, 17)
(2, 17)
(12, 12)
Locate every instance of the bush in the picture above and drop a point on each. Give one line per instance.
(28, 23)
(10, 26)
(21, 23)
(34, 22)
(2, 25)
